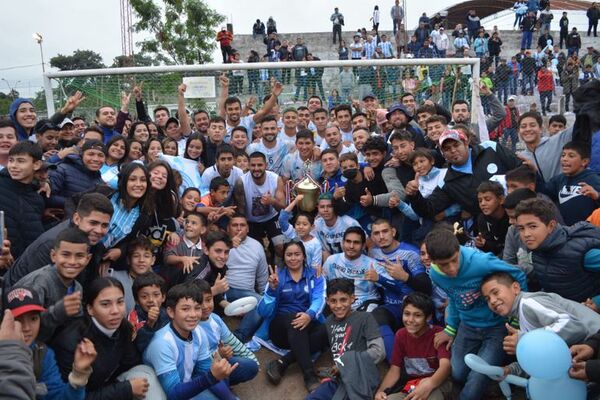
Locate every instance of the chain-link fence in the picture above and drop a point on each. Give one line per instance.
(336, 82)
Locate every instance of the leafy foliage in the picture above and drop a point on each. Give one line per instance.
(80, 59)
(183, 31)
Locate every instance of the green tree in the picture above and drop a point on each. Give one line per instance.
(183, 31)
(80, 59)
(139, 60)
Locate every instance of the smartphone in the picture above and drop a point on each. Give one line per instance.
(1, 228)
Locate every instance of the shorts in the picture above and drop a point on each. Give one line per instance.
(269, 228)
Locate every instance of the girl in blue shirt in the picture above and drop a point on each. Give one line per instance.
(291, 307)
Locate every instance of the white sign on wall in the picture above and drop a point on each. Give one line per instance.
(200, 87)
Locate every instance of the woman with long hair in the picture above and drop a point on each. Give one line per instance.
(133, 205)
(152, 150)
(116, 153)
(163, 189)
(291, 308)
(117, 371)
(139, 131)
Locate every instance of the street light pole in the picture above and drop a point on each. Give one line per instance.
(39, 39)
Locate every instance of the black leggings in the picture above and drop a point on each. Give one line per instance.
(302, 343)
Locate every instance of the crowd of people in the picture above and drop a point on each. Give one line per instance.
(129, 240)
(539, 68)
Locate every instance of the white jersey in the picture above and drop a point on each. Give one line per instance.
(212, 172)
(295, 168)
(331, 237)
(274, 156)
(338, 266)
(247, 122)
(255, 210)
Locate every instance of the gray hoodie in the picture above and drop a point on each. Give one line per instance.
(547, 154)
(570, 320)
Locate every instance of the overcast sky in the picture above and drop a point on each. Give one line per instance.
(67, 25)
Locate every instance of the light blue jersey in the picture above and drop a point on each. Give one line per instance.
(167, 352)
(274, 156)
(331, 236)
(338, 266)
(295, 168)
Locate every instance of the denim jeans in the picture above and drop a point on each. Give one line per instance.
(528, 80)
(512, 84)
(251, 321)
(545, 100)
(301, 83)
(245, 371)
(526, 40)
(487, 344)
(502, 91)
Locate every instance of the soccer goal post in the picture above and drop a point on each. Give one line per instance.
(442, 80)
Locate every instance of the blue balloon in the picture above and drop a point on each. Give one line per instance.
(556, 389)
(543, 354)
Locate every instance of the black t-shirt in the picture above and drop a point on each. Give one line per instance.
(351, 333)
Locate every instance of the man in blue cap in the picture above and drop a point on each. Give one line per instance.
(400, 118)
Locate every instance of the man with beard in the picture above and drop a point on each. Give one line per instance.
(230, 108)
(333, 140)
(200, 119)
(106, 118)
(469, 166)
(320, 119)
(273, 150)
(262, 195)
(462, 115)
(343, 117)
(400, 119)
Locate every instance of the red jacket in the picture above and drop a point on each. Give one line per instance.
(545, 80)
(225, 38)
(504, 124)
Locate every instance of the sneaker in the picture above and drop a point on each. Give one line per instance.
(275, 370)
(253, 345)
(311, 382)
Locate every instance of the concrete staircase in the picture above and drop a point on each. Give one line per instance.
(320, 45)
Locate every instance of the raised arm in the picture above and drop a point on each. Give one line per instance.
(276, 89)
(184, 118)
(224, 84)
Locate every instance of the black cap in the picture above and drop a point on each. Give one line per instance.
(21, 300)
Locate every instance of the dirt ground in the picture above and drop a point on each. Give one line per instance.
(292, 384)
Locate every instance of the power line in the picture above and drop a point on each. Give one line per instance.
(19, 66)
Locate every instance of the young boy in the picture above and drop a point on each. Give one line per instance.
(302, 229)
(23, 206)
(428, 368)
(575, 190)
(355, 342)
(330, 227)
(148, 315)
(26, 307)
(140, 259)
(515, 252)
(59, 292)
(492, 223)
(565, 258)
(242, 161)
(221, 340)
(556, 124)
(524, 177)
(572, 321)
(211, 205)
(349, 200)
(182, 259)
(470, 325)
(179, 351)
